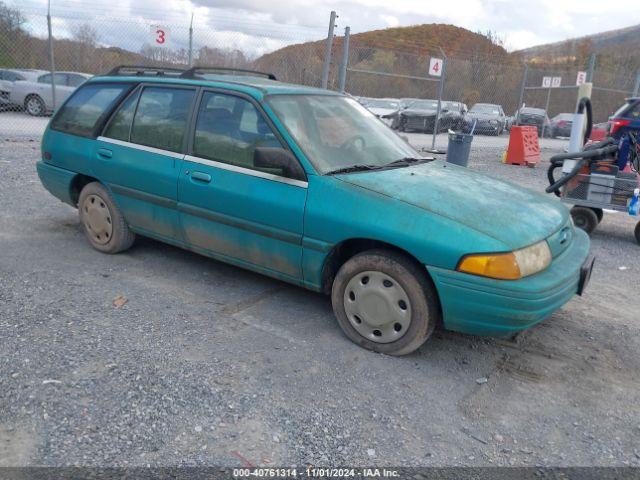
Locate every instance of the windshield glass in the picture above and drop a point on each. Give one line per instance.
(451, 105)
(532, 111)
(337, 132)
(424, 104)
(382, 104)
(491, 109)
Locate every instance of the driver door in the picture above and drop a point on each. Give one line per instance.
(231, 209)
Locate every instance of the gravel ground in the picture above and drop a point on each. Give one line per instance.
(209, 364)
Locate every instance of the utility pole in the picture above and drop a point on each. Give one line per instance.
(327, 55)
(191, 42)
(345, 58)
(51, 60)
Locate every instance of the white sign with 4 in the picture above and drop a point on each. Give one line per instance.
(435, 67)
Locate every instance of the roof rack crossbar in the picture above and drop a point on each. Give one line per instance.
(192, 72)
(141, 70)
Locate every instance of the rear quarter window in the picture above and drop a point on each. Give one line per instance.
(83, 113)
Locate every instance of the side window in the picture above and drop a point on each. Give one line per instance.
(60, 78)
(161, 118)
(45, 78)
(120, 123)
(88, 106)
(75, 80)
(229, 129)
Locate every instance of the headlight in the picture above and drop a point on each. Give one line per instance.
(508, 266)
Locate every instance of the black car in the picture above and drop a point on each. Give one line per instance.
(488, 119)
(420, 116)
(561, 125)
(536, 117)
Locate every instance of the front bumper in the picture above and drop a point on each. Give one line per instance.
(484, 306)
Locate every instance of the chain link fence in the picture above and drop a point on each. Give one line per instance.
(295, 55)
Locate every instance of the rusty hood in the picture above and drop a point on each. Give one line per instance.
(512, 214)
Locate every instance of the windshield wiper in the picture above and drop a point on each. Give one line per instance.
(403, 162)
(355, 168)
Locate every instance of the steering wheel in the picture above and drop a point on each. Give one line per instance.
(356, 142)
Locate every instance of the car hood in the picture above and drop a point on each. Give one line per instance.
(483, 116)
(511, 214)
(418, 112)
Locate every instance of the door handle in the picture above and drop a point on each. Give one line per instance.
(105, 152)
(201, 177)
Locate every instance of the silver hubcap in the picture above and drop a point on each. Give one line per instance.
(33, 105)
(377, 306)
(97, 219)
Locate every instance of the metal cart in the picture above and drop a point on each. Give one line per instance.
(593, 193)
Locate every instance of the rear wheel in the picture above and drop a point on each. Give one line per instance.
(35, 106)
(104, 225)
(584, 218)
(384, 302)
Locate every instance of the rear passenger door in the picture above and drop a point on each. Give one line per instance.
(229, 207)
(139, 156)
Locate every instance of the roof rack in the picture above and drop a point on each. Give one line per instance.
(144, 71)
(192, 72)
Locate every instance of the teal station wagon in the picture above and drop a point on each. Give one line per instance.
(307, 186)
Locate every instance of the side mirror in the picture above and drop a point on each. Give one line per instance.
(276, 157)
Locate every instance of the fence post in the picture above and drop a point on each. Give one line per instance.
(592, 67)
(345, 58)
(191, 42)
(636, 88)
(327, 54)
(546, 112)
(521, 96)
(440, 92)
(52, 64)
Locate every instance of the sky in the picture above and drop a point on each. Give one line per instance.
(259, 26)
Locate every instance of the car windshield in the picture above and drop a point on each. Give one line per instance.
(424, 104)
(337, 132)
(382, 104)
(563, 116)
(451, 105)
(491, 109)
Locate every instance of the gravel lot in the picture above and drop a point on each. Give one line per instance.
(209, 364)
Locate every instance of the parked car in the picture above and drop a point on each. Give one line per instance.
(452, 116)
(626, 118)
(386, 109)
(307, 186)
(419, 116)
(536, 117)
(560, 125)
(488, 118)
(7, 78)
(36, 95)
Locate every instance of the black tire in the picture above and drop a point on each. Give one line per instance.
(636, 232)
(35, 106)
(95, 204)
(423, 303)
(584, 218)
(599, 213)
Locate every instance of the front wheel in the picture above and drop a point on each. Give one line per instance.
(384, 302)
(584, 218)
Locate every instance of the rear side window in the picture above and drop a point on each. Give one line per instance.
(120, 124)
(88, 106)
(161, 117)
